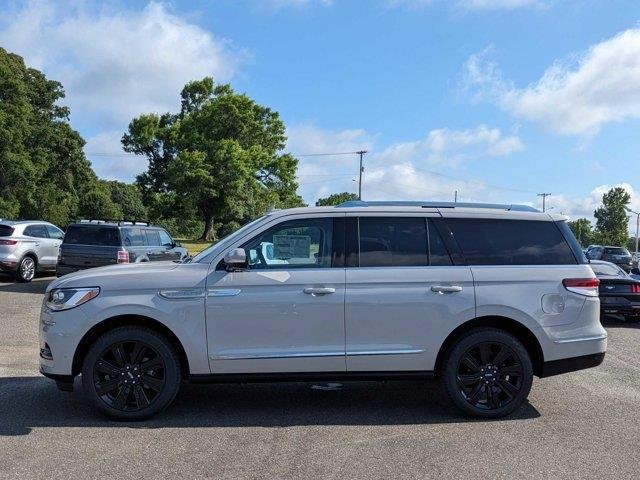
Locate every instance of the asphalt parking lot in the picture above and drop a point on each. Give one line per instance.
(579, 425)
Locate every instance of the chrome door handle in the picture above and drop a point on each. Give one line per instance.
(319, 290)
(446, 288)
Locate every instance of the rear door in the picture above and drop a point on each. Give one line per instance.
(155, 250)
(45, 247)
(170, 253)
(87, 246)
(55, 240)
(403, 293)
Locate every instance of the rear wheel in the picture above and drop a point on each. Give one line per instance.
(26, 269)
(488, 373)
(131, 373)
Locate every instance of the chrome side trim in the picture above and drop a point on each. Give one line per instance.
(582, 339)
(386, 352)
(229, 292)
(182, 294)
(274, 355)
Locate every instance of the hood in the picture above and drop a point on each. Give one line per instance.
(130, 276)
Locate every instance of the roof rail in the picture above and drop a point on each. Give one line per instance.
(431, 204)
(108, 220)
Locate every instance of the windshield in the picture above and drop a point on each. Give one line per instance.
(607, 269)
(229, 238)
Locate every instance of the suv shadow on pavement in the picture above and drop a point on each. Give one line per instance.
(37, 285)
(611, 322)
(31, 402)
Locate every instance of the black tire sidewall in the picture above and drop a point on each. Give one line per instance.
(154, 339)
(461, 346)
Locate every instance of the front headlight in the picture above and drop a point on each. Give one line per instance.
(66, 298)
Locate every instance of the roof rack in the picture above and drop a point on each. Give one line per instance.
(117, 222)
(402, 203)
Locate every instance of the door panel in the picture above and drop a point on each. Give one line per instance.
(265, 322)
(397, 318)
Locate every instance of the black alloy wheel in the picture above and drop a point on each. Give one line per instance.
(488, 373)
(131, 373)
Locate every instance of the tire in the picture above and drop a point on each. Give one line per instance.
(131, 373)
(488, 373)
(27, 269)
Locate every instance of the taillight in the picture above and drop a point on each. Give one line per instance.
(582, 286)
(635, 288)
(123, 256)
(8, 242)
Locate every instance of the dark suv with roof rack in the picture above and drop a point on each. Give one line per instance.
(96, 243)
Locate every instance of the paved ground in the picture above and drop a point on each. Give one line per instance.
(580, 425)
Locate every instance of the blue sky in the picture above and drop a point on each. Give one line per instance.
(498, 99)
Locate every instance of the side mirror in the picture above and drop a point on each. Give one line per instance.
(236, 259)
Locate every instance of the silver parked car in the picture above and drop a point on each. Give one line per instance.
(483, 297)
(27, 247)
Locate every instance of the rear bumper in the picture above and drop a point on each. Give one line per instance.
(626, 309)
(566, 365)
(65, 270)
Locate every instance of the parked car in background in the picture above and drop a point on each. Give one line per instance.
(483, 297)
(96, 243)
(619, 291)
(27, 247)
(618, 255)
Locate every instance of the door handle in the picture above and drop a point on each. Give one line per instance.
(446, 288)
(319, 290)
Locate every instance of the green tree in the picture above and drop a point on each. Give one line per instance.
(127, 198)
(583, 230)
(220, 156)
(612, 224)
(336, 199)
(43, 170)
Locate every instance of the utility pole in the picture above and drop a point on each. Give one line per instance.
(361, 153)
(544, 200)
(455, 197)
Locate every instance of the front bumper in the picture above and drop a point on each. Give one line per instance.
(60, 333)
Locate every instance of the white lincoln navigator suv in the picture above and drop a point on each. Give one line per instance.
(482, 297)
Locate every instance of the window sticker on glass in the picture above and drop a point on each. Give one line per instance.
(291, 246)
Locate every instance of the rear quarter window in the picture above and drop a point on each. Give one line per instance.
(94, 235)
(511, 242)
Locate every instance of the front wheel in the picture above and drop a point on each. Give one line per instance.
(131, 373)
(488, 373)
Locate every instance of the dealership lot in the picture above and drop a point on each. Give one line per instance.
(583, 424)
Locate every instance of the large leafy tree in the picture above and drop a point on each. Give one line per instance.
(612, 224)
(336, 199)
(583, 230)
(221, 156)
(43, 171)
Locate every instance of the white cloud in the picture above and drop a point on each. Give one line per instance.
(296, 3)
(111, 162)
(575, 96)
(397, 171)
(115, 65)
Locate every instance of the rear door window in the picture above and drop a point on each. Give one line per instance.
(93, 235)
(153, 239)
(510, 242)
(38, 231)
(133, 237)
(393, 241)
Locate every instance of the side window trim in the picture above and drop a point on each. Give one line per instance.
(450, 243)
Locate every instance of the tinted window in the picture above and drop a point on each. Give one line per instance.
(54, 232)
(153, 239)
(38, 231)
(292, 244)
(93, 235)
(607, 269)
(393, 241)
(133, 237)
(438, 254)
(510, 242)
(6, 231)
(165, 239)
(616, 251)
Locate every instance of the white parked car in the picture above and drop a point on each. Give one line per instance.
(482, 297)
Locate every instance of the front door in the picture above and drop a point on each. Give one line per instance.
(403, 293)
(285, 311)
